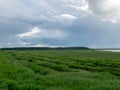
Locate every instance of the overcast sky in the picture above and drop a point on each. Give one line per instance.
(90, 23)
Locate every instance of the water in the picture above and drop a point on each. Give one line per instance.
(111, 50)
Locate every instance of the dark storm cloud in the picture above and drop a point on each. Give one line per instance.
(59, 23)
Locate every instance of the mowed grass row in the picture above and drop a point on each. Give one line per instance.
(59, 70)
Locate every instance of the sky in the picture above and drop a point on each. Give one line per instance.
(41, 23)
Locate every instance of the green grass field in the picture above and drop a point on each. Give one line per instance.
(59, 70)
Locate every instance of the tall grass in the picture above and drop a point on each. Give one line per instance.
(59, 70)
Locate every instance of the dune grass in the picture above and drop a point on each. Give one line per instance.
(59, 70)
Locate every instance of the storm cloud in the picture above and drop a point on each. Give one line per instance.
(91, 23)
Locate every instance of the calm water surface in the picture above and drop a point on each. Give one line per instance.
(111, 50)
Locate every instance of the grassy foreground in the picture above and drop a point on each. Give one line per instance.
(59, 70)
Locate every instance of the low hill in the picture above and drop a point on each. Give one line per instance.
(46, 48)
